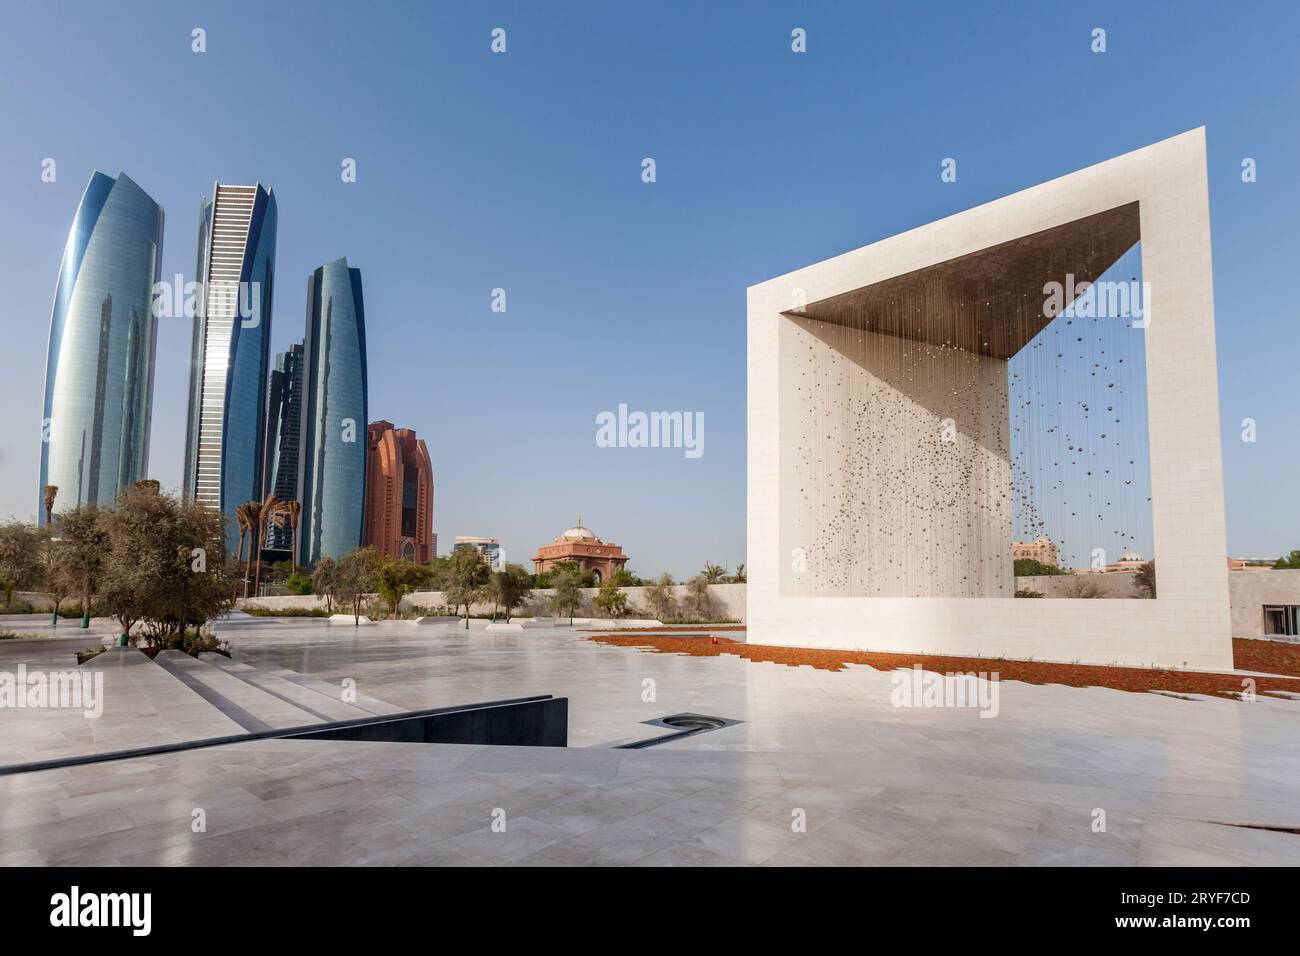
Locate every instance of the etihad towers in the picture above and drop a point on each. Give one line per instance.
(283, 434)
(332, 451)
(230, 349)
(100, 364)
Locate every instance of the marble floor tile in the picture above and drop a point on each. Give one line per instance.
(866, 784)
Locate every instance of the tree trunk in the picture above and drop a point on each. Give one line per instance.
(257, 575)
(293, 555)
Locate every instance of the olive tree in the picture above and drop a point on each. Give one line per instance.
(396, 579)
(611, 601)
(467, 578)
(54, 582)
(78, 553)
(659, 596)
(511, 587)
(164, 564)
(358, 576)
(325, 581)
(568, 594)
(698, 599)
(20, 558)
(1145, 579)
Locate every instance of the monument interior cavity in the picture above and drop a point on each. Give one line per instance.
(1037, 369)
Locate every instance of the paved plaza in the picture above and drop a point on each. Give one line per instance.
(820, 768)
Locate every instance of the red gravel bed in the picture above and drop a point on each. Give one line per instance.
(1136, 679)
(665, 629)
(1270, 657)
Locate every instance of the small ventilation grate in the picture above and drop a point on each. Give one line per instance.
(695, 722)
(682, 725)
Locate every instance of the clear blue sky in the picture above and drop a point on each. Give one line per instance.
(523, 171)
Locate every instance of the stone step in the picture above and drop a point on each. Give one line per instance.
(250, 706)
(143, 706)
(327, 706)
(118, 657)
(1274, 698)
(1191, 696)
(371, 705)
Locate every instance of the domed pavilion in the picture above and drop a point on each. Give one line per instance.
(581, 546)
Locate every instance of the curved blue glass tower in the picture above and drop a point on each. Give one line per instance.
(332, 451)
(230, 350)
(100, 363)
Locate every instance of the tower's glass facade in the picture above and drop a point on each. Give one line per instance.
(100, 364)
(332, 452)
(283, 432)
(230, 350)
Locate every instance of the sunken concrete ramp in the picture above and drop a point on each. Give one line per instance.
(251, 707)
(324, 701)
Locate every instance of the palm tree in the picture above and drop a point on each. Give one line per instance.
(242, 521)
(251, 514)
(51, 492)
(713, 573)
(292, 509)
(271, 506)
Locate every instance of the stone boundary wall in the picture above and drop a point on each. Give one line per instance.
(1115, 584)
(1249, 591)
(728, 601)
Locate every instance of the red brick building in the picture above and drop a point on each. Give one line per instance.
(581, 546)
(399, 493)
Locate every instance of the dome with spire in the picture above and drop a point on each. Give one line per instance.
(595, 558)
(578, 532)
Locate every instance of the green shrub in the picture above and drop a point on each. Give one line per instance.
(1028, 568)
(611, 601)
(286, 611)
(298, 583)
(677, 621)
(377, 611)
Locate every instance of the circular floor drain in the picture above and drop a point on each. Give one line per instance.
(694, 722)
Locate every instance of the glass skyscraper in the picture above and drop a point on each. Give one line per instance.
(283, 433)
(332, 451)
(100, 364)
(230, 350)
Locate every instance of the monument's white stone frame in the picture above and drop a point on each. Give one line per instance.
(1188, 625)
